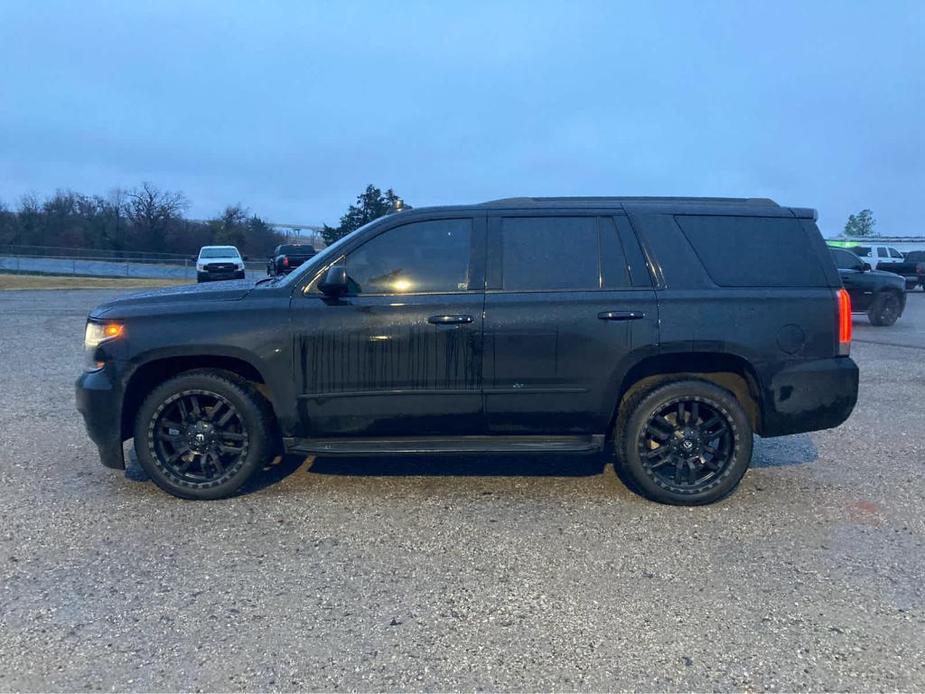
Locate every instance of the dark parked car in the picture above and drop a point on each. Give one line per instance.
(555, 325)
(882, 295)
(911, 267)
(288, 257)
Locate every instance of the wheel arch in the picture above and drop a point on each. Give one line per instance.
(727, 370)
(157, 369)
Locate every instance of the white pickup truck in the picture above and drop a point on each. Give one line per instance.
(877, 256)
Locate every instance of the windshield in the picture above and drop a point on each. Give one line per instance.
(324, 256)
(220, 252)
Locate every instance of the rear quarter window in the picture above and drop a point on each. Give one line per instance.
(753, 251)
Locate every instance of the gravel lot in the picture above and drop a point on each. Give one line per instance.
(512, 574)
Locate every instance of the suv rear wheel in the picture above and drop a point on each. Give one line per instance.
(203, 434)
(686, 443)
(885, 309)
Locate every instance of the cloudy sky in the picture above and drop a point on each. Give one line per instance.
(292, 108)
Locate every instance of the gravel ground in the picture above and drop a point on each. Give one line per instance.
(510, 574)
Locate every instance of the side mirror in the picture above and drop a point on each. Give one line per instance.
(335, 281)
(194, 259)
(865, 267)
(246, 257)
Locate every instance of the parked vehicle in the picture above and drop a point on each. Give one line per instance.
(288, 257)
(912, 268)
(877, 256)
(882, 295)
(219, 263)
(522, 325)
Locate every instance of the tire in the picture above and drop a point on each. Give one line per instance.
(234, 421)
(885, 309)
(697, 462)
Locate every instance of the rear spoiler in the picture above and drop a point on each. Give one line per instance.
(805, 213)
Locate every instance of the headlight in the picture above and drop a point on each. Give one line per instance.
(200, 266)
(95, 335)
(240, 266)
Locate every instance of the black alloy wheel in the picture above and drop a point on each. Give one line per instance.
(886, 309)
(204, 434)
(199, 436)
(686, 444)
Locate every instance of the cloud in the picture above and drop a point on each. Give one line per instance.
(292, 108)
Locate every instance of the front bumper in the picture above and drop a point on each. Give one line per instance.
(808, 396)
(98, 400)
(219, 276)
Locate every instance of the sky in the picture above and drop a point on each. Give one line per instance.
(292, 108)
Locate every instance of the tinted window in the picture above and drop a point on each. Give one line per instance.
(550, 253)
(754, 251)
(845, 260)
(915, 256)
(417, 257)
(895, 254)
(295, 250)
(881, 252)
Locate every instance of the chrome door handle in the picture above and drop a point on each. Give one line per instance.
(449, 320)
(621, 315)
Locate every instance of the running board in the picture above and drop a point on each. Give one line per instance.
(444, 444)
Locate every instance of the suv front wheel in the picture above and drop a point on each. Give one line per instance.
(203, 434)
(687, 443)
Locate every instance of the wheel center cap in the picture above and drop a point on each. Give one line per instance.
(687, 445)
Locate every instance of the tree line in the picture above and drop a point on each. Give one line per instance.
(150, 220)
(144, 219)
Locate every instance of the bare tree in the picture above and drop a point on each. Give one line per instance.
(116, 205)
(152, 211)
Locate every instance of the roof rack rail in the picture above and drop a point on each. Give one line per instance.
(764, 202)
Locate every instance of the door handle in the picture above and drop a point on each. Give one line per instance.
(621, 315)
(449, 320)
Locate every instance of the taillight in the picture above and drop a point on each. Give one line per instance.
(844, 322)
(920, 269)
(285, 261)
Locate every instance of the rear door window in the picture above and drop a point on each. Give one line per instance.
(754, 251)
(895, 254)
(550, 253)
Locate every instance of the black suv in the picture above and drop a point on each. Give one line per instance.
(522, 325)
